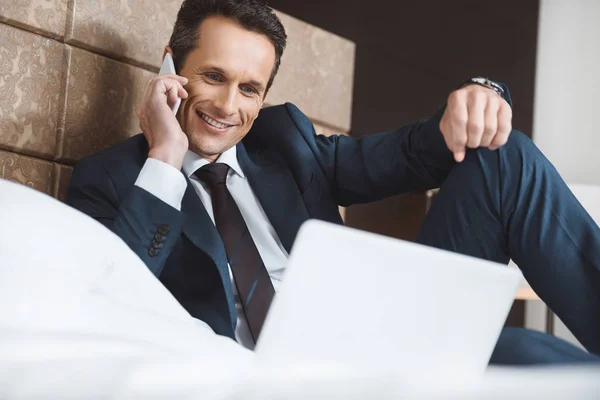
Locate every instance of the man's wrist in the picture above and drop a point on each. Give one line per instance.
(169, 155)
(163, 182)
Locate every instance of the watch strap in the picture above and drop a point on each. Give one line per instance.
(485, 82)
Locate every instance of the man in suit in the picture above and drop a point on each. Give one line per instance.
(211, 200)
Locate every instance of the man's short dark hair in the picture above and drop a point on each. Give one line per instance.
(250, 14)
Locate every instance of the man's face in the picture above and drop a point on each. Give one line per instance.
(228, 73)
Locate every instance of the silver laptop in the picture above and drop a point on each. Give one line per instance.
(358, 299)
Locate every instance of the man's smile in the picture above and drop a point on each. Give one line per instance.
(213, 122)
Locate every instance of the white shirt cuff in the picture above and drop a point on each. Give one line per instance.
(163, 181)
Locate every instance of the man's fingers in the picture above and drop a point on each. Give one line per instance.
(181, 79)
(446, 128)
(459, 156)
(157, 122)
(181, 92)
(172, 88)
(177, 80)
(491, 122)
(172, 95)
(476, 109)
(456, 140)
(475, 117)
(146, 92)
(504, 126)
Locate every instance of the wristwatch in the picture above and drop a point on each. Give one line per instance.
(485, 82)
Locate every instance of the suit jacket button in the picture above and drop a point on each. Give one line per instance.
(160, 238)
(163, 229)
(152, 252)
(157, 245)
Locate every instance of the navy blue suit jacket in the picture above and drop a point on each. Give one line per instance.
(295, 174)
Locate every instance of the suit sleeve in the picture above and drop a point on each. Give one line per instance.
(359, 170)
(148, 225)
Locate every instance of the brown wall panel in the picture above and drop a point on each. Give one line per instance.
(48, 17)
(31, 79)
(29, 171)
(102, 95)
(62, 178)
(316, 74)
(131, 30)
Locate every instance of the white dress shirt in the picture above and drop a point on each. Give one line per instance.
(166, 182)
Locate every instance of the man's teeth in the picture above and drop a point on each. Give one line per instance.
(214, 123)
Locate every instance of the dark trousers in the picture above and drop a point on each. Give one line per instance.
(512, 203)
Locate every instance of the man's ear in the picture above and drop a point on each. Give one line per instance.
(262, 105)
(167, 50)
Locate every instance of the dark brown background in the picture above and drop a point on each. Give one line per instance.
(410, 55)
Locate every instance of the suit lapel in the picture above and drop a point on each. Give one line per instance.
(273, 184)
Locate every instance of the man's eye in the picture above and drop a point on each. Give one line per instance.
(214, 77)
(248, 89)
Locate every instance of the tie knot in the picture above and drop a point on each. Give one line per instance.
(213, 173)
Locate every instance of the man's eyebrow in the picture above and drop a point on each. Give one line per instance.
(259, 86)
(214, 68)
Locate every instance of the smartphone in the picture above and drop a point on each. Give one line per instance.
(168, 67)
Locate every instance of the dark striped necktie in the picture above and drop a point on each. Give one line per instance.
(249, 272)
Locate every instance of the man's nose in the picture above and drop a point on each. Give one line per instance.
(226, 101)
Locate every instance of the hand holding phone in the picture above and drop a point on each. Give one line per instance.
(168, 67)
(157, 114)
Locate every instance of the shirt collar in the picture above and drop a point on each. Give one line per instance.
(192, 162)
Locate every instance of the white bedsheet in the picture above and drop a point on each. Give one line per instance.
(81, 317)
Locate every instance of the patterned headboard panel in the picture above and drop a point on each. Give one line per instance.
(71, 73)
